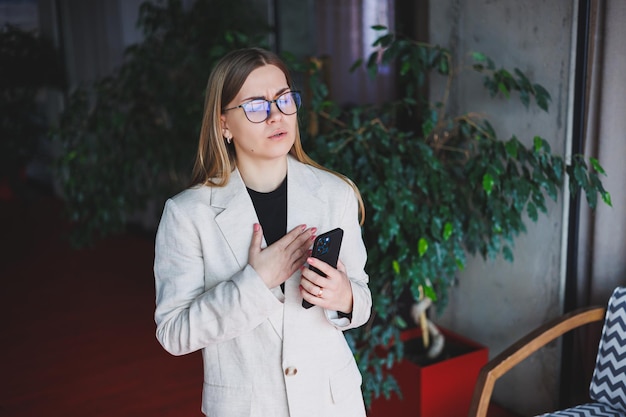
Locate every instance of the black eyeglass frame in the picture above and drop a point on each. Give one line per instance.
(297, 99)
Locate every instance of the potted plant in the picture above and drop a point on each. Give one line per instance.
(125, 141)
(437, 187)
(23, 57)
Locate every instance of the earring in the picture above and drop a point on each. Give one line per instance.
(229, 137)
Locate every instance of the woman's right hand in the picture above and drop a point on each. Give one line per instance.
(277, 262)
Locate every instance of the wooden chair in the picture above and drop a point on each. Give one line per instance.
(608, 385)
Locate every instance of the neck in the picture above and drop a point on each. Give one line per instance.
(263, 176)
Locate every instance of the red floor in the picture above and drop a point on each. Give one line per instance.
(78, 332)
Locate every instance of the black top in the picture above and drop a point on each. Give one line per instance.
(271, 209)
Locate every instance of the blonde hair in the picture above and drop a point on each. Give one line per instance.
(215, 159)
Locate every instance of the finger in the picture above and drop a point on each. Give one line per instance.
(315, 278)
(308, 296)
(294, 234)
(312, 276)
(300, 248)
(257, 238)
(299, 257)
(296, 263)
(302, 239)
(291, 236)
(321, 265)
(308, 286)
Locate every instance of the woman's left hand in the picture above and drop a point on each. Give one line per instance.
(333, 292)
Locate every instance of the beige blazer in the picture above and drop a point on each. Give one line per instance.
(264, 355)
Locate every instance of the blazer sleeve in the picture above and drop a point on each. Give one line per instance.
(188, 316)
(354, 256)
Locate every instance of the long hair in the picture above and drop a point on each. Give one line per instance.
(215, 159)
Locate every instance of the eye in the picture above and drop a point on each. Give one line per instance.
(256, 106)
(285, 99)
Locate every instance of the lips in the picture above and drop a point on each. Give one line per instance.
(278, 134)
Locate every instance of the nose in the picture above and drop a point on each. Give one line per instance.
(275, 113)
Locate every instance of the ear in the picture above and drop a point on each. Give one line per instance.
(224, 126)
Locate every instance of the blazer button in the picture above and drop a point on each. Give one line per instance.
(291, 371)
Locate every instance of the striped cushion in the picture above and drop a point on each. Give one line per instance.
(608, 384)
(587, 410)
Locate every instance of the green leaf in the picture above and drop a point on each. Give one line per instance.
(405, 68)
(356, 64)
(606, 197)
(460, 264)
(384, 41)
(580, 175)
(488, 183)
(479, 57)
(504, 90)
(523, 80)
(396, 267)
(400, 322)
(512, 148)
(596, 165)
(443, 65)
(372, 65)
(428, 127)
(422, 246)
(525, 98)
(447, 231)
(592, 196)
(507, 253)
(430, 292)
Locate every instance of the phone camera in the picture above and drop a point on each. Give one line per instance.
(324, 246)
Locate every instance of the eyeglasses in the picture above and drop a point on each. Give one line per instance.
(258, 110)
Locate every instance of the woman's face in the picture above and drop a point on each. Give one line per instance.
(268, 140)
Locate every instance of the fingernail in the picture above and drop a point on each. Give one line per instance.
(256, 227)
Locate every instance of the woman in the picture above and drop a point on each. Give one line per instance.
(231, 251)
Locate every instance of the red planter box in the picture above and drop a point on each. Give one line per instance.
(441, 389)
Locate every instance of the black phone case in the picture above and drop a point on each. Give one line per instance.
(326, 248)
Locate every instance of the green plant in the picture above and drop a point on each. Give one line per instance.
(130, 138)
(437, 186)
(28, 63)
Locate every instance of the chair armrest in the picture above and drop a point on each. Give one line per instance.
(523, 348)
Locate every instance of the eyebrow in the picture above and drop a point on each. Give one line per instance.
(278, 93)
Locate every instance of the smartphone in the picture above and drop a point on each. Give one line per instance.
(326, 248)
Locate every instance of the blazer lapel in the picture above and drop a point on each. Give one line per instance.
(304, 205)
(237, 217)
(235, 223)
